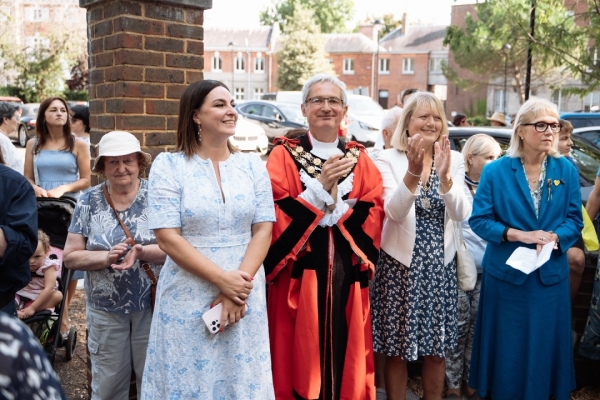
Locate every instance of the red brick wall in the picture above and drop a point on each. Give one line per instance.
(396, 81)
(142, 57)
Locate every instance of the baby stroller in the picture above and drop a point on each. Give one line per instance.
(54, 218)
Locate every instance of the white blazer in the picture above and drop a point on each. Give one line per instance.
(399, 225)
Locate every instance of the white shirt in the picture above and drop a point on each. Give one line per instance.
(9, 152)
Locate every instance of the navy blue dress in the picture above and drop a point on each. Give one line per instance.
(414, 308)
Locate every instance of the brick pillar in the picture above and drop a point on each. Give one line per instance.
(142, 55)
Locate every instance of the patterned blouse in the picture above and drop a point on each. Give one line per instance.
(106, 289)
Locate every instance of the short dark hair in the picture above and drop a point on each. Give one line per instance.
(41, 129)
(407, 92)
(458, 118)
(7, 110)
(82, 113)
(191, 100)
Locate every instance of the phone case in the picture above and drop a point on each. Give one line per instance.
(211, 318)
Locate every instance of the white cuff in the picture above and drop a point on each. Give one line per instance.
(314, 193)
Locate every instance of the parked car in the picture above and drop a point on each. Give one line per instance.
(582, 119)
(589, 133)
(249, 137)
(26, 129)
(275, 118)
(586, 156)
(364, 117)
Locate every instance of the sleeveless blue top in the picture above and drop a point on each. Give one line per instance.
(55, 168)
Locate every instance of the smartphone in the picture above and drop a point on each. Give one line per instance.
(212, 318)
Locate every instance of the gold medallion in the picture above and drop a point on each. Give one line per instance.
(310, 169)
(317, 161)
(299, 149)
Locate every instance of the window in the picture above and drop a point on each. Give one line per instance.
(240, 63)
(408, 66)
(258, 93)
(239, 93)
(435, 65)
(348, 66)
(4, 13)
(499, 100)
(37, 42)
(217, 62)
(384, 65)
(259, 63)
(37, 14)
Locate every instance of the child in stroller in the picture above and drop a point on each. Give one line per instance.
(41, 292)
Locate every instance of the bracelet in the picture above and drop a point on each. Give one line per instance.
(448, 182)
(411, 174)
(505, 234)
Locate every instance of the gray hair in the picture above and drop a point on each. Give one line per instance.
(529, 111)
(391, 118)
(324, 78)
(7, 110)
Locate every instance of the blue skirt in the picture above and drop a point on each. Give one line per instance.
(522, 345)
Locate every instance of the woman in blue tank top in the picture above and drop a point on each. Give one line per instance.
(56, 162)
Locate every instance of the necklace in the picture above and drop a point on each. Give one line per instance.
(425, 202)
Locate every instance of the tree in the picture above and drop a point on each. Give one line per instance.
(331, 15)
(42, 70)
(389, 23)
(479, 46)
(303, 53)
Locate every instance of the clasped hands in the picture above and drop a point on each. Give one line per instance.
(442, 156)
(129, 254)
(235, 288)
(539, 238)
(333, 169)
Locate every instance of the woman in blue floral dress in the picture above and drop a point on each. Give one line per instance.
(211, 208)
(415, 289)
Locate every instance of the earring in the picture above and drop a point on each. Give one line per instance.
(199, 130)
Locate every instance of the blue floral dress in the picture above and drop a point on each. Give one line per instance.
(184, 360)
(414, 309)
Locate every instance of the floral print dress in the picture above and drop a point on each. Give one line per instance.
(414, 308)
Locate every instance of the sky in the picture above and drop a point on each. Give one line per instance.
(244, 13)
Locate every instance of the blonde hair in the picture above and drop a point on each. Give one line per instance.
(479, 144)
(419, 99)
(529, 111)
(44, 240)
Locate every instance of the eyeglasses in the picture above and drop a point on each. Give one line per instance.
(334, 102)
(541, 127)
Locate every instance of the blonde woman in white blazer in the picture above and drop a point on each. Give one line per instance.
(415, 289)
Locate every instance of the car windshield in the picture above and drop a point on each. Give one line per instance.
(292, 113)
(364, 106)
(587, 159)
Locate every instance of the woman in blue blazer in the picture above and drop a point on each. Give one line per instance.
(529, 198)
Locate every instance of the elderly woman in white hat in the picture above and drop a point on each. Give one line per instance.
(118, 289)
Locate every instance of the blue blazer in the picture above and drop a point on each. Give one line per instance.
(503, 199)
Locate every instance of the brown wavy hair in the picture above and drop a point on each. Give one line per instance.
(191, 100)
(41, 129)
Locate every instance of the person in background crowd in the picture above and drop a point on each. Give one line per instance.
(389, 122)
(388, 125)
(322, 255)
(25, 371)
(212, 213)
(118, 290)
(497, 119)
(522, 346)
(9, 122)
(80, 122)
(405, 96)
(58, 163)
(414, 296)
(576, 253)
(477, 152)
(18, 235)
(460, 120)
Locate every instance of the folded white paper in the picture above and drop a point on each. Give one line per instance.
(527, 260)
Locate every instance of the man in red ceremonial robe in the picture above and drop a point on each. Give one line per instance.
(324, 248)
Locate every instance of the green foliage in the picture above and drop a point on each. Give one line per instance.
(331, 15)
(76, 95)
(9, 91)
(478, 120)
(479, 46)
(389, 24)
(480, 107)
(303, 53)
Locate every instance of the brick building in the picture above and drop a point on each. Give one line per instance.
(29, 23)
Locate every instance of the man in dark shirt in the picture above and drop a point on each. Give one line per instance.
(18, 235)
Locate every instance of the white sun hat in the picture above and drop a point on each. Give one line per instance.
(118, 143)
